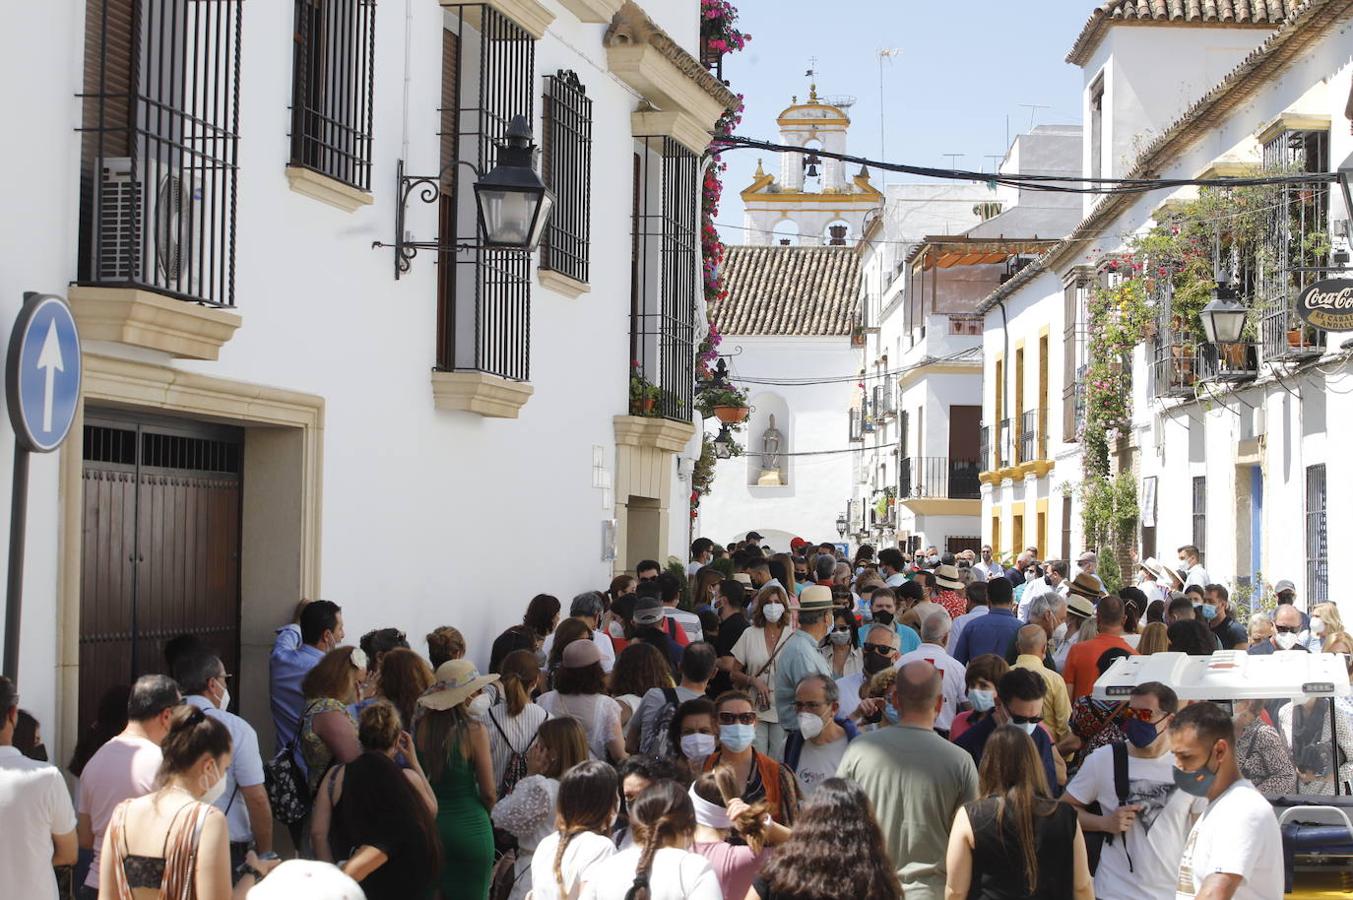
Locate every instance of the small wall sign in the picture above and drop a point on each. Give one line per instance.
(1328, 304)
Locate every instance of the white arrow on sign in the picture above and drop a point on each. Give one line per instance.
(51, 362)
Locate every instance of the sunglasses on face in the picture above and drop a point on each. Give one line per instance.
(1288, 629)
(1144, 715)
(800, 573)
(1025, 720)
(645, 578)
(880, 649)
(729, 718)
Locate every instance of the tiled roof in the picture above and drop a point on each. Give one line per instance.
(1224, 13)
(789, 291)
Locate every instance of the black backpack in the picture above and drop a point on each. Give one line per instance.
(516, 762)
(656, 742)
(1095, 840)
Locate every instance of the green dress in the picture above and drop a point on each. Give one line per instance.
(465, 830)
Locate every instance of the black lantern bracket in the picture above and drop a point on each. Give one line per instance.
(429, 190)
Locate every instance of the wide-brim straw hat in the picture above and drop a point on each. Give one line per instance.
(1159, 571)
(1079, 606)
(947, 578)
(1086, 585)
(455, 681)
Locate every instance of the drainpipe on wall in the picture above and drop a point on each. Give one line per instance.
(1005, 372)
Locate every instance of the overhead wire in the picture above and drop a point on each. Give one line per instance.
(1050, 183)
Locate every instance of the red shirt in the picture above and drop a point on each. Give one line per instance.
(1081, 670)
(953, 603)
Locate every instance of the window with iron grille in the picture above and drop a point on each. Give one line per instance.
(484, 303)
(1317, 546)
(1073, 359)
(159, 146)
(1296, 243)
(665, 276)
(1200, 513)
(331, 88)
(567, 171)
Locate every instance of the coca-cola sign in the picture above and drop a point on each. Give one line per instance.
(1328, 304)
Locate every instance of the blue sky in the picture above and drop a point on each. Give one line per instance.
(964, 71)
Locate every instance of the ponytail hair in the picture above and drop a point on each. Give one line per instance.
(719, 786)
(520, 671)
(660, 817)
(191, 734)
(587, 802)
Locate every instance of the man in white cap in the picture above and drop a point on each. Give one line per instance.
(306, 878)
(800, 654)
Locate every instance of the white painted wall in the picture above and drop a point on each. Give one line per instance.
(1302, 418)
(818, 486)
(418, 505)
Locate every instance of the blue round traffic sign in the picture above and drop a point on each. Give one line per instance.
(42, 373)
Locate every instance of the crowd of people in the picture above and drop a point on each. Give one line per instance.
(765, 726)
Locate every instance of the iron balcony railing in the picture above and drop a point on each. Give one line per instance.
(938, 477)
(333, 76)
(1033, 435)
(984, 448)
(160, 147)
(1296, 245)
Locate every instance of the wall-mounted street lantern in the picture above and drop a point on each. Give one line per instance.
(512, 204)
(841, 525)
(723, 444)
(1224, 316)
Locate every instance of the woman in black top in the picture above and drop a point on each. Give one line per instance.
(378, 818)
(836, 851)
(1015, 842)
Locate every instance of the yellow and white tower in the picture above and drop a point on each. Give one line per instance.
(812, 201)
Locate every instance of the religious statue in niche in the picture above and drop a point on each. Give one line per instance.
(771, 442)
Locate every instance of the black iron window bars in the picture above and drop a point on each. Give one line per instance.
(159, 148)
(332, 79)
(666, 272)
(567, 171)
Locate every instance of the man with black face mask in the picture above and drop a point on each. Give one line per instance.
(880, 652)
(883, 607)
(1144, 834)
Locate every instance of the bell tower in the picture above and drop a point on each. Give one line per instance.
(812, 201)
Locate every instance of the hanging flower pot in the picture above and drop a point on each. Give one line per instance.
(731, 415)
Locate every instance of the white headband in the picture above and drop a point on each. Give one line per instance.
(709, 814)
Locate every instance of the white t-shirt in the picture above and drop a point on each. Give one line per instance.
(584, 851)
(1238, 835)
(952, 672)
(34, 805)
(122, 769)
(1157, 837)
(674, 875)
(751, 653)
(818, 762)
(598, 714)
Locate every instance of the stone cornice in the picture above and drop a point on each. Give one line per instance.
(529, 14)
(631, 27)
(599, 11)
(142, 318)
(650, 431)
(481, 393)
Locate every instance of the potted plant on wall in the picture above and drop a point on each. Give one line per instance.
(728, 404)
(643, 393)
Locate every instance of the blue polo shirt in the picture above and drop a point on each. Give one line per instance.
(991, 633)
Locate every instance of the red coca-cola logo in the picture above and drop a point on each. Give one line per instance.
(1328, 304)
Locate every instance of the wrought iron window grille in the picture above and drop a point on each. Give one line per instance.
(160, 147)
(567, 171)
(484, 311)
(665, 271)
(333, 79)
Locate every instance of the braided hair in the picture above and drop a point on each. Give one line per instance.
(587, 802)
(661, 816)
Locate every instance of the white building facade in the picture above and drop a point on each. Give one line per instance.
(273, 409)
(1227, 448)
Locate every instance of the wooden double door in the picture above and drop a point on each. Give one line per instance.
(161, 546)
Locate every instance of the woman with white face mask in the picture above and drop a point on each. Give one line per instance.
(452, 742)
(173, 843)
(841, 648)
(754, 663)
(757, 777)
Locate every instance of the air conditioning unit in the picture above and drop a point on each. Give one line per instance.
(151, 227)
